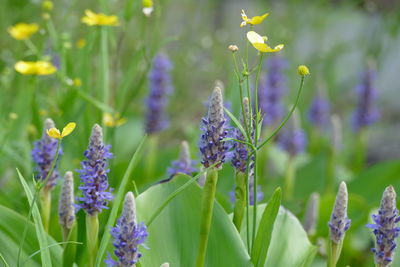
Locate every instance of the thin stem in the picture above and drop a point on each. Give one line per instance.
(31, 47)
(276, 131)
(104, 66)
(289, 179)
(240, 199)
(209, 190)
(45, 202)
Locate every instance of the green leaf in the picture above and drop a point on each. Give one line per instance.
(40, 233)
(174, 235)
(117, 202)
(236, 121)
(289, 245)
(264, 232)
(11, 227)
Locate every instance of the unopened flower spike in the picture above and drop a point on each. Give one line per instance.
(23, 31)
(185, 164)
(128, 236)
(259, 43)
(100, 19)
(66, 208)
(385, 228)
(339, 223)
(67, 130)
(252, 21)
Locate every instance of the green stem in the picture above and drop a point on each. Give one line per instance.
(151, 159)
(287, 116)
(209, 190)
(334, 253)
(31, 47)
(360, 151)
(45, 201)
(240, 199)
(289, 179)
(104, 66)
(330, 176)
(92, 232)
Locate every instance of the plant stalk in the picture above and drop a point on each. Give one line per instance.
(92, 232)
(240, 199)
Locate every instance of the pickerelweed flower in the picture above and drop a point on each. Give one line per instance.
(35, 67)
(292, 138)
(339, 222)
(366, 113)
(93, 174)
(185, 164)
(66, 208)
(259, 43)
(385, 228)
(253, 21)
(43, 154)
(94, 19)
(318, 113)
(271, 90)
(212, 147)
(23, 31)
(128, 236)
(160, 86)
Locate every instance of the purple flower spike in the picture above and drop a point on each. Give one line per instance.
(43, 154)
(339, 222)
(292, 138)
(160, 87)
(385, 228)
(271, 90)
(128, 235)
(319, 111)
(94, 174)
(366, 113)
(184, 165)
(212, 147)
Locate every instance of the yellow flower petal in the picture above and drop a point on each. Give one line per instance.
(54, 133)
(93, 19)
(68, 129)
(23, 31)
(254, 37)
(44, 68)
(25, 67)
(258, 19)
(266, 49)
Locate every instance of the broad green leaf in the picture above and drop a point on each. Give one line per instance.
(174, 234)
(264, 231)
(289, 243)
(11, 228)
(40, 233)
(117, 201)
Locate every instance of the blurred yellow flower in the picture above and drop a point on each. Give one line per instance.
(148, 7)
(35, 67)
(113, 120)
(77, 82)
(81, 43)
(47, 5)
(253, 21)
(55, 133)
(303, 70)
(93, 19)
(258, 42)
(13, 115)
(23, 31)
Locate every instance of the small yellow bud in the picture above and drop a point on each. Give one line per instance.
(233, 48)
(47, 5)
(81, 43)
(303, 70)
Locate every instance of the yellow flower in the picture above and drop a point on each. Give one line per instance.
(93, 19)
(303, 70)
(55, 133)
(23, 31)
(35, 67)
(47, 5)
(147, 7)
(77, 82)
(81, 43)
(258, 42)
(111, 120)
(253, 21)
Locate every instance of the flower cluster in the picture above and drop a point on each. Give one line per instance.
(43, 154)
(160, 87)
(365, 113)
(385, 228)
(212, 146)
(185, 164)
(339, 222)
(94, 174)
(319, 111)
(272, 89)
(128, 235)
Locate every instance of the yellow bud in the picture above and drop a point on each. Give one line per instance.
(303, 70)
(47, 5)
(233, 48)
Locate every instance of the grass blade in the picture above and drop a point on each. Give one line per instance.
(4, 260)
(264, 232)
(117, 201)
(236, 121)
(41, 234)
